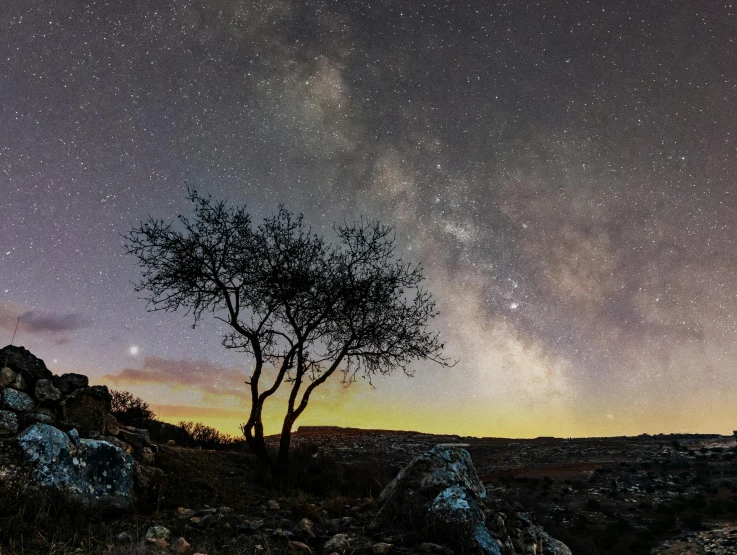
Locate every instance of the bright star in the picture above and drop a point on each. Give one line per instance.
(134, 350)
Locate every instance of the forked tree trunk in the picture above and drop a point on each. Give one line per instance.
(254, 432)
(284, 441)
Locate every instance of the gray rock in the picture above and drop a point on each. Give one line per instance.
(455, 516)
(87, 408)
(45, 391)
(74, 437)
(127, 447)
(338, 543)
(97, 474)
(136, 437)
(8, 423)
(70, 382)
(37, 416)
(429, 474)
(21, 360)
(17, 400)
(124, 537)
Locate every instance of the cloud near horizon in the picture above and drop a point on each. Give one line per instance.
(206, 376)
(40, 321)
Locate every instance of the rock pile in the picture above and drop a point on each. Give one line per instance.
(61, 431)
(440, 492)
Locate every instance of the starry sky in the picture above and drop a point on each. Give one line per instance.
(566, 171)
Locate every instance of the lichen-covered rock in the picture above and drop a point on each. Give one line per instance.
(45, 391)
(17, 400)
(127, 447)
(21, 360)
(96, 474)
(66, 383)
(157, 533)
(429, 474)
(8, 423)
(87, 408)
(516, 531)
(456, 517)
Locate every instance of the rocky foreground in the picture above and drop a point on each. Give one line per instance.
(73, 480)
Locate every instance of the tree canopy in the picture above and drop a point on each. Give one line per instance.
(291, 300)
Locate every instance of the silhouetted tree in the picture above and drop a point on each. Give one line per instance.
(291, 300)
(126, 407)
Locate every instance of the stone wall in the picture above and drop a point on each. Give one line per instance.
(64, 429)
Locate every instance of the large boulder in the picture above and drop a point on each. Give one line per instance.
(94, 473)
(86, 409)
(21, 360)
(515, 531)
(66, 383)
(17, 400)
(45, 391)
(457, 517)
(439, 492)
(427, 475)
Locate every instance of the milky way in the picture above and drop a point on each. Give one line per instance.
(566, 172)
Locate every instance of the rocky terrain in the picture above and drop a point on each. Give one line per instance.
(645, 494)
(73, 480)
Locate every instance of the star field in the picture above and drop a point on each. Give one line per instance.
(564, 170)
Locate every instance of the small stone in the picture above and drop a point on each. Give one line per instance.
(17, 400)
(180, 546)
(298, 548)
(74, 436)
(381, 547)
(272, 505)
(19, 383)
(184, 514)
(339, 543)
(157, 533)
(171, 442)
(7, 376)
(160, 543)
(305, 527)
(124, 537)
(250, 525)
(111, 425)
(8, 423)
(145, 455)
(45, 391)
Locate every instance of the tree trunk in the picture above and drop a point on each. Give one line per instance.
(286, 437)
(254, 432)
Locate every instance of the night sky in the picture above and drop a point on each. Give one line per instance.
(565, 170)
